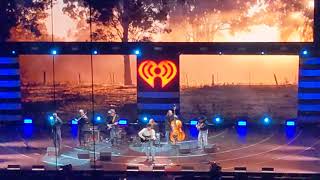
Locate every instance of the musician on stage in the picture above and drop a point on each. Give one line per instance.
(113, 120)
(56, 132)
(83, 126)
(147, 136)
(169, 118)
(155, 127)
(202, 127)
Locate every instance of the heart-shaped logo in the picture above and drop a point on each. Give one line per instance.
(166, 70)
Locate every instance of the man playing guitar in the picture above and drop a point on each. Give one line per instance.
(113, 120)
(147, 136)
(202, 127)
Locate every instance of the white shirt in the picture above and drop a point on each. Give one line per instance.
(147, 133)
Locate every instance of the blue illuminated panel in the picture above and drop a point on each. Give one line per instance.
(290, 123)
(193, 122)
(242, 123)
(27, 121)
(123, 122)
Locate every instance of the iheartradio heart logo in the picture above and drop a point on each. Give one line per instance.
(166, 70)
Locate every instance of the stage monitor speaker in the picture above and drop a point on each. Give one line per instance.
(13, 167)
(173, 168)
(51, 151)
(210, 148)
(158, 168)
(132, 168)
(38, 168)
(184, 150)
(267, 169)
(105, 156)
(240, 169)
(84, 155)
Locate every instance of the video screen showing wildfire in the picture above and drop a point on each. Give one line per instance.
(114, 85)
(239, 86)
(161, 20)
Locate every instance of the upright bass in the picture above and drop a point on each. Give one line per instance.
(176, 133)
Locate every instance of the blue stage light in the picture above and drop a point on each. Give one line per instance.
(74, 122)
(266, 120)
(98, 118)
(27, 121)
(13, 52)
(54, 52)
(290, 123)
(51, 118)
(123, 122)
(305, 52)
(137, 52)
(242, 123)
(145, 119)
(95, 52)
(193, 122)
(217, 120)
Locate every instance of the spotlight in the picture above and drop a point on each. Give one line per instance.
(137, 52)
(13, 52)
(95, 52)
(27, 121)
(54, 52)
(266, 120)
(217, 120)
(290, 123)
(305, 52)
(193, 122)
(123, 122)
(51, 118)
(242, 123)
(262, 53)
(145, 119)
(74, 122)
(220, 53)
(98, 118)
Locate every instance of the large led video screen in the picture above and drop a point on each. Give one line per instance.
(161, 21)
(233, 87)
(68, 83)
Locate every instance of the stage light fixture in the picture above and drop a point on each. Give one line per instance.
(74, 122)
(54, 52)
(220, 53)
(123, 122)
(27, 121)
(98, 118)
(95, 52)
(145, 119)
(242, 123)
(305, 52)
(262, 53)
(290, 123)
(266, 120)
(13, 52)
(51, 118)
(137, 52)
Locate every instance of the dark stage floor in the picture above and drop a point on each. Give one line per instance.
(295, 150)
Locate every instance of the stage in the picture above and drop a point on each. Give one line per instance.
(294, 150)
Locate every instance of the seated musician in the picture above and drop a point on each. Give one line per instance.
(155, 127)
(147, 136)
(112, 121)
(83, 127)
(202, 127)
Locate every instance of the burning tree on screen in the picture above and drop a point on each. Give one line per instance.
(124, 20)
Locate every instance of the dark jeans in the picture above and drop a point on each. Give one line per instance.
(57, 138)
